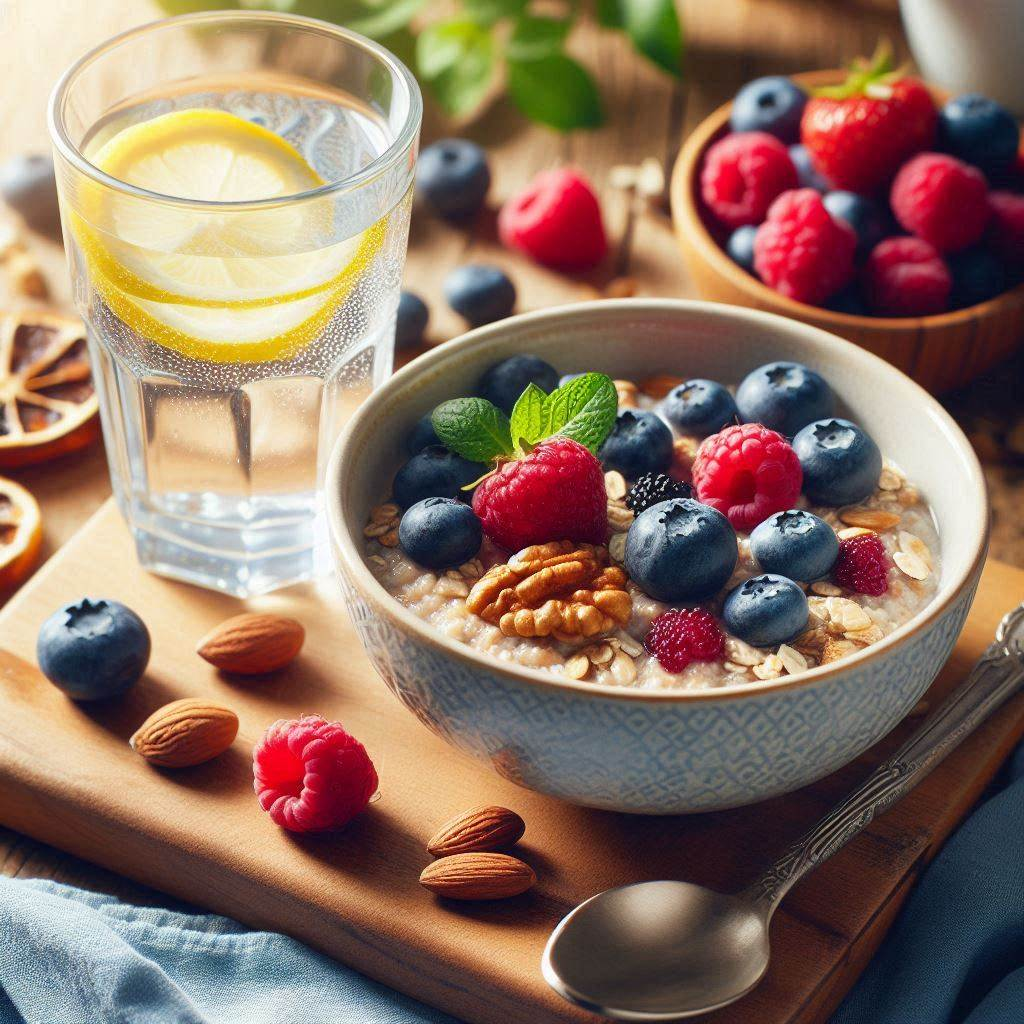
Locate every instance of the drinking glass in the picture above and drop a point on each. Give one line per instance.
(235, 191)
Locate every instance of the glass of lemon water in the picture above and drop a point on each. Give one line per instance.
(235, 191)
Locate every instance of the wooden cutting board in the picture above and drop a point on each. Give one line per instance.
(68, 777)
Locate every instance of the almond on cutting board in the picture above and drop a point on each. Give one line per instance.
(253, 643)
(477, 876)
(185, 733)
(480, 830)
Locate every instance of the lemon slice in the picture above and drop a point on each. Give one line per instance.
(241, 259)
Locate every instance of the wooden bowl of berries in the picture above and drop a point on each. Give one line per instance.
(869, 205)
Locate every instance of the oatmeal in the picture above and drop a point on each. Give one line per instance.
(701, 553)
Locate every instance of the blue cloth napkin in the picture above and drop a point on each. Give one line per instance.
(955, 955)
(73, 957)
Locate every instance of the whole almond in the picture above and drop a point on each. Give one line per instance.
(477, 876)
(253, 643)
(185, 732)
(477, 831)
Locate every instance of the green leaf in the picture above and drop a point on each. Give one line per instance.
(383, 17)
(487, 12)
(556, 91)
(609, 13)
(528, 416)
(535, 37)
(654, 27)
(457, 58)
(472, 428)
(584, 409)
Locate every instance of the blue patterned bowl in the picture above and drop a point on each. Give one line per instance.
(636, 750)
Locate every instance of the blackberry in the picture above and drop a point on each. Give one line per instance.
(654, 487)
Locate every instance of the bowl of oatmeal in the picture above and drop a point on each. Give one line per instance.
(656, 556)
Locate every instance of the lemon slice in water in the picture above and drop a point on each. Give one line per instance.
(214, 283)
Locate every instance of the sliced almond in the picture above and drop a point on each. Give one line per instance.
(869, 518)
(252, 644)
(479, 830)
(477, 876)
(622, 669)
(910, 565)
(601, 654)
(742, 653)
(615, 484)
(577, 667)
(847, 614)
(617, 548)
(825, 589)
(852, 531)
(913, 545)
(792, 660)
(770, 668)
(865, 637)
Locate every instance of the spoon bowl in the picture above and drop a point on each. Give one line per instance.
(658, 951)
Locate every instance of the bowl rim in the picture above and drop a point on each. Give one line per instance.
(691, 228)
(372, 591)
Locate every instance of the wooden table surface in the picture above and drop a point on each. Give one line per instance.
(729, 42)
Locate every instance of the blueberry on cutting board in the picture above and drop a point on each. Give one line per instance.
(453, 177)
(93, 649)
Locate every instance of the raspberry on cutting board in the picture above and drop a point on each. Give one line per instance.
(747, 472)
(310, 775)
(742, 175)
(802, 251)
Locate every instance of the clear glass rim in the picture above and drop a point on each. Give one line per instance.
(404, 139)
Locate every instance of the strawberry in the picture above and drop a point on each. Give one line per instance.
(860, 132)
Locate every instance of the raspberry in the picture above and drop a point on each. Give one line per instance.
(1007, 224)
(680, 636)
(742, 174)
(654, 487)
(310, 775)
(942, 200)
(802, 251)
(862, 565)
(556, 221)
(748, 473)
(557, 492)
(906, 277)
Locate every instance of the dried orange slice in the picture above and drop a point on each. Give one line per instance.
(48, 403)
(21, 533)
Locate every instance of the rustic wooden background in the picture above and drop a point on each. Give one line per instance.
(729, 42)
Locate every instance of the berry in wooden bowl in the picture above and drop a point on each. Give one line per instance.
(899, 243)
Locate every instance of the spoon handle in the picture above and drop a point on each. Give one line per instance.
(997, 675)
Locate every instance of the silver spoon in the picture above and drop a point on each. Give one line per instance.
(666, 950)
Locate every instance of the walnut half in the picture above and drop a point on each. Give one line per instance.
(562, 587)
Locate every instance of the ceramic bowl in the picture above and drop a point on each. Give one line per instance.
(636, 750)
(940, 352)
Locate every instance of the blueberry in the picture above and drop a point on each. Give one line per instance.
(440, 532)
(806, 172)
(681, 550)
(480, 293)
(979, 131)
(978, 275)
(784, 397)
(773, 104)
(504, 382)
(435, 472)
(410, 320)
(865, 216)
(93, 649)
(28, 186)
(766, 610)
(639, 443)
(795, 544)
(699, 407)
(453, 177)
(421, 436)
(841, 463)
(849, 300)
(740, 246)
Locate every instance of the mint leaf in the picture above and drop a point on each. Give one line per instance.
(584, 409)
(382, 17)
(472, 428)
(457, 58)
(536, 36)
(487, 12)
(609, 13)
(555, 90)
(654, 27)
(529, 421)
